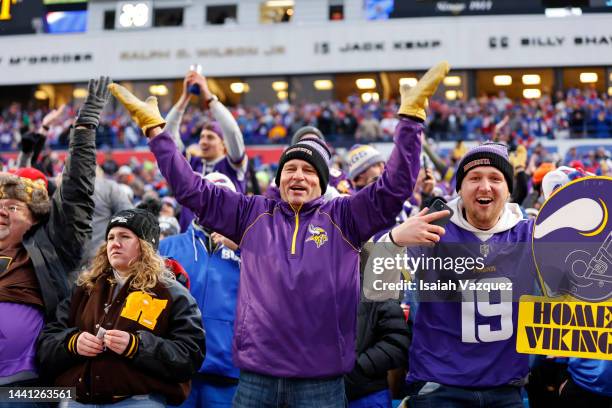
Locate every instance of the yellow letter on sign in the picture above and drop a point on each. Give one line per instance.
(141, 307)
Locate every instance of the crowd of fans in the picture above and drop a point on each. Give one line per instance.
(160, 364)
(573, 114)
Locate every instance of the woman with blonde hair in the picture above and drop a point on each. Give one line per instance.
(129, 335)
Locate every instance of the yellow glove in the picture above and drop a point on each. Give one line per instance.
(518, 159)
(414, 100)
(145, 114)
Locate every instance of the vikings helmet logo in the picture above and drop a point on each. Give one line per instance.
(572, 241)
(318, 235)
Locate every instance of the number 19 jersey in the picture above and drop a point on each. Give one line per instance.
(466, 335)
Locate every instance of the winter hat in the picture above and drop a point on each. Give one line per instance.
(221, 180)
(313, 151)
(30, 173)
(306, 130)
(214, 127)
(170, 201)
(360, 157)
(576, 164)
(32, 193)
(487, 154)
(124, 170)
(141, 222)
(541, 171)
(560, 177)
(169, 225)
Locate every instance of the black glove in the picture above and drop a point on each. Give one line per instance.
(96, 99)
(28, 141)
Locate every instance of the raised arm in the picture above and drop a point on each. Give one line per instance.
(234, 142)
(436, 160)
(28, 145)
(33, 142)
(216, 208)
(376, 206)
(72, 205)
(175, 116)
(231, 133)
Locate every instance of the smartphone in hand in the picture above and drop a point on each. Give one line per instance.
(440, 205)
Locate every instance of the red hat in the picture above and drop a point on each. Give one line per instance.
(30, 173)
(577, 164)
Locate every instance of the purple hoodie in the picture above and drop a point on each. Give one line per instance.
(299, 281)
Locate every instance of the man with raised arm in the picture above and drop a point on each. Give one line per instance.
(41, 242)
(300, 254)
(221, 142)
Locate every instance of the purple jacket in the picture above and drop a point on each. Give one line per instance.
(223, 166)
(299, 281)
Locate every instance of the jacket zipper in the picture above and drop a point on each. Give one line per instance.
(297, 227)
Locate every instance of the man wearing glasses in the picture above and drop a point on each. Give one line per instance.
(41, 242)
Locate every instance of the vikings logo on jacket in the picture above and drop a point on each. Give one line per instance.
(572, 242)
(319, 236)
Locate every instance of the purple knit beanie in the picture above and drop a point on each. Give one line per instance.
(214, 127)
(487, 154)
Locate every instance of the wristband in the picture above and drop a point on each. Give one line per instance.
(392, 240)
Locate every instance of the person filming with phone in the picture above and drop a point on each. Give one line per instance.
(463, 350)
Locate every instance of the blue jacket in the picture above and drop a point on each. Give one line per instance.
(214, 284)
(594, 375)
(298, 264)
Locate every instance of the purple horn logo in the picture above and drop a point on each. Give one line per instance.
(572, 241)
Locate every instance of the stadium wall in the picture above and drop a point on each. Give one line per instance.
(345, 46)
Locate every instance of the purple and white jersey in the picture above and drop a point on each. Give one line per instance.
(235, 172)
(469, 338)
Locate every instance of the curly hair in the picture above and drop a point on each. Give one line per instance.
(32, 193)
(148, 269)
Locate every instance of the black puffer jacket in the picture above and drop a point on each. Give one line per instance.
(55, 244)
(382, 345)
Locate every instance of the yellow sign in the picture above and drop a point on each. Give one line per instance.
(5, 9)
(564, 328)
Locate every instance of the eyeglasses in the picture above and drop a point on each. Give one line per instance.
(11, 208)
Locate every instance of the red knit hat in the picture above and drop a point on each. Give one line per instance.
(30, 173)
